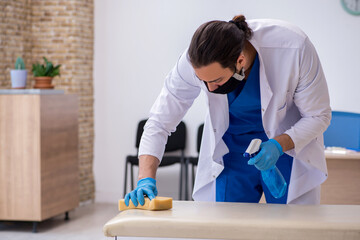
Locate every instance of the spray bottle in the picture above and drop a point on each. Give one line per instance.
(272, 177)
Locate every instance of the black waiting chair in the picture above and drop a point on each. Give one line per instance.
(176, 142)
(193, 161)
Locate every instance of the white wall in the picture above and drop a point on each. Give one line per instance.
(137, 42)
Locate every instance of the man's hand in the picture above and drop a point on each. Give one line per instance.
(267, 157)
(145, 186)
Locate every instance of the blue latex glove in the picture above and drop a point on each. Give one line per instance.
(267, 157)
(145, 186)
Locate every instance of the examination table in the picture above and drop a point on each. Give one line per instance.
(209, 220)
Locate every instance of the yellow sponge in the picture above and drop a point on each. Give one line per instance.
(158, 203)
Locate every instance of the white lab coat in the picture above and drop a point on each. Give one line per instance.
(294, 100)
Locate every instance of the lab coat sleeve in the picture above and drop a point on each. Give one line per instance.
(312, 99)
(176, 97)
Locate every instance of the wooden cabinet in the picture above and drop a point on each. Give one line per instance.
(343, 183)
(38, 155)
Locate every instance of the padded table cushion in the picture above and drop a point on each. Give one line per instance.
(211, 220)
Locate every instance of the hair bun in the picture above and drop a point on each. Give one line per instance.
(239, 18)
(240, 22)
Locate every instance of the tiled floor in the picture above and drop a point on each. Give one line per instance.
(85, 223)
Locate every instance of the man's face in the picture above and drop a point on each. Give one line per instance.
(214, 75)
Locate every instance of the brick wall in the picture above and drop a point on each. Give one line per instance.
(62, 31)
(15, 32)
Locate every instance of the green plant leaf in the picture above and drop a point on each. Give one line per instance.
(35, 69)
(46, 69)
(56, 71)
(45, 60)
(38, 70)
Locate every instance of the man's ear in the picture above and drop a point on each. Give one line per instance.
(241, 61)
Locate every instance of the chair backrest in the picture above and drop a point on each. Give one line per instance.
(176, 141)
(139, 132)
(344, 130)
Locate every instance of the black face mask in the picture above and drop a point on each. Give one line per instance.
(231, 84)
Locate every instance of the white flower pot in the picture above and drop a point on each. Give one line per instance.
(18, 78)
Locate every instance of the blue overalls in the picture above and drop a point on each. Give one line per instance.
(240, 182)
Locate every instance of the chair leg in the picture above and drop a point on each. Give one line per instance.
(132, 177)
(193, 177)
(187, 179)
(125, 180)
(181, 179)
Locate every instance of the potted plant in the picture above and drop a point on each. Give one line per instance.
(19, 74)
(44, 74)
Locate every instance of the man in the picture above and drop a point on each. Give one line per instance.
(263, 79)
